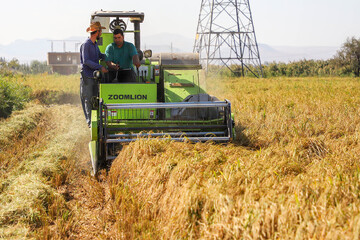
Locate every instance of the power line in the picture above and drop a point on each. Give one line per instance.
(225, 37)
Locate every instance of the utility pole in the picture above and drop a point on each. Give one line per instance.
(225, 37)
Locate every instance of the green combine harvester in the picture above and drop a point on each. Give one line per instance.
(167, 101)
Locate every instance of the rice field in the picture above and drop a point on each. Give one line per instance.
(293, 171)
(41, 82)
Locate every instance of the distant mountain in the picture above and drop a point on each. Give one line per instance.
(37, 49)
(287, 54)
(26, 51)
(165, 42)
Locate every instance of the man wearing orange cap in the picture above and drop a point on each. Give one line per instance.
(89, 56)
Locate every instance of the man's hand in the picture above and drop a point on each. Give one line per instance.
(104, 70)
(116, 66)
(112, 65)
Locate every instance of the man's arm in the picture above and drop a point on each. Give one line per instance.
(86, 55)
(102, 55)
(135, 56)
(110, 58)
(136, 61)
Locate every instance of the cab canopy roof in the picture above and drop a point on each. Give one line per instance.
(119, 14)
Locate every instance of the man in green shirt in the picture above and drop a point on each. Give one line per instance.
(120, 58)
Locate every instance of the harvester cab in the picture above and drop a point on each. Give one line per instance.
(168, 99)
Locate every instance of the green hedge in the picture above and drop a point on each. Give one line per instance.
(13, 96)
(301, 68)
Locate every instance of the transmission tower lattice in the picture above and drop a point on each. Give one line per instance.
(225, 37)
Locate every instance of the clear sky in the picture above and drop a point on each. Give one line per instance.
(277, 22)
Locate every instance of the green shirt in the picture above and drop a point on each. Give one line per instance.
(122, 56)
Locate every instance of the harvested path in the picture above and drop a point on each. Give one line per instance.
(45, 149)
(89, 201)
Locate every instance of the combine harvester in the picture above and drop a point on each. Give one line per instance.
(167, 101)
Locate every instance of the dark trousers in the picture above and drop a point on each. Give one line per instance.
(88, 94)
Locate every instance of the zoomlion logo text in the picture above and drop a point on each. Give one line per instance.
(127, 97)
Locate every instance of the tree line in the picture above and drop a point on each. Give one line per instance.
(346, 62)
(14, 66)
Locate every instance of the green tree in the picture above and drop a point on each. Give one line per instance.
(38, 67)
(14, 64)
(348, 57)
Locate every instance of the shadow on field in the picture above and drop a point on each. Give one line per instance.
(105, 166)
(242, 139)
(48, 97)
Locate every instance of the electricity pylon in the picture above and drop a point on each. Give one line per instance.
(225, 37)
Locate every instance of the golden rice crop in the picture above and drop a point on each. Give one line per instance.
(54, 89)
(45, 81)
(292, 173)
